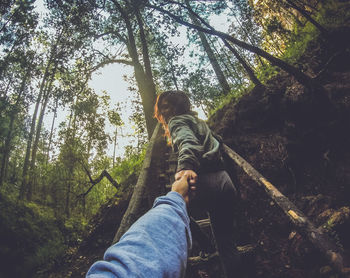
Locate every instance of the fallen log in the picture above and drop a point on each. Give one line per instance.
(316, 236)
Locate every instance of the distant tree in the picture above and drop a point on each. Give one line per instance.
(130, 15)
(295, 5)
(116, 121)
(17, 25)
(18, 97)
(299, 75)
(212, 58)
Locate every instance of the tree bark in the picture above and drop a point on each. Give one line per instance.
(7, 149)
(115, 145)
(194, 17)
(232, 67)
(32, 179)
(23, 189)
(249, 37)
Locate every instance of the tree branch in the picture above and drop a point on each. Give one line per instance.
(299, 75)
(93, 182)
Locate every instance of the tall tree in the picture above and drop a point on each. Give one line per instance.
(299, 75)
(143, 74)
(52, 59)
(16, 107)
(116, 121)
(213, 61)
(305, 14)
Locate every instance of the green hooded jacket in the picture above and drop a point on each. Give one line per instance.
(198, 149)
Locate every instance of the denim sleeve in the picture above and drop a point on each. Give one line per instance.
(156, 245)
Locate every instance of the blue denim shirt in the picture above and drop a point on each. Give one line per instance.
(156, 245)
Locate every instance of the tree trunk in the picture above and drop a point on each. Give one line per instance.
(304, 13)
(229, 70)
(299, 75)
(51, 131)
(249, 38)
(150, 95)
(213, 61)
(115, 145)
(4, 92)
(247, 68)
(32, 181)
(144, 80)
(23, 189)
(173, 75)
(67, 204)
(6, 59)
(144, 45)
(7, 147)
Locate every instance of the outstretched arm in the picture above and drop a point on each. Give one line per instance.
(185, 142)
(156, 245)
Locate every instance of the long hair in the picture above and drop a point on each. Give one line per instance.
(179, 103)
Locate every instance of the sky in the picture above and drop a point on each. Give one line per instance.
(110, 79)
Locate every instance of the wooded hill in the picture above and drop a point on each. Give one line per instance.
(275, 86)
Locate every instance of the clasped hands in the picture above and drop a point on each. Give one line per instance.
(185, 181)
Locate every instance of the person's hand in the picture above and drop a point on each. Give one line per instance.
(182, 187)
(189, 173)
(185, 182)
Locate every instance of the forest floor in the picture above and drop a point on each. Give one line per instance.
(300, 145)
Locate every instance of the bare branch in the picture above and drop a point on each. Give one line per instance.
(93, 182)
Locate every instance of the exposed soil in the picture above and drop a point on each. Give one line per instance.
(302, 147)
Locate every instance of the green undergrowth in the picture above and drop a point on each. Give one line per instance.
(231, 98)
(34, 236)
(30, 237)
(131, 165)
(331, 15)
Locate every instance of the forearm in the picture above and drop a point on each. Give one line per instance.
(155, 246)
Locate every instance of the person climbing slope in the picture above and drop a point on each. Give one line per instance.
(200, 159)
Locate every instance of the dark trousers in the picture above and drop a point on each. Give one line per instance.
(217, 195)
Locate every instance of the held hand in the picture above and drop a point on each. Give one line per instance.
(181, 186)
(189, 173)
(191, 179)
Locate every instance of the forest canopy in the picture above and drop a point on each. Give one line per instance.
(48, 57)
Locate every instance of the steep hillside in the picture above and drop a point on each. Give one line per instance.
(299, 144)
(302, 147)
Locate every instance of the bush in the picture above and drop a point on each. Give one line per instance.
(29, 238)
